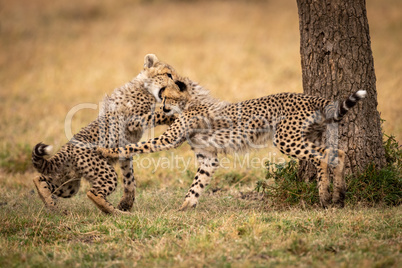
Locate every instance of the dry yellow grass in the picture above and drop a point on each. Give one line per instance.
(57, 54)
(54, 55)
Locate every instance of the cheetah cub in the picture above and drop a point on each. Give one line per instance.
(124, 115)
(295, 123)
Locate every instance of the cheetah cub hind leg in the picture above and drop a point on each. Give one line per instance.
(104, 205)
(44, 193)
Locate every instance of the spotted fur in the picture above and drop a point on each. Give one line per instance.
(295, 122)
(124, 115)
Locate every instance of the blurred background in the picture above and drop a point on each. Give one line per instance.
(57, 54)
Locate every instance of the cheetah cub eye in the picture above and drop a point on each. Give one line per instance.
(169, 75)
(181, 85)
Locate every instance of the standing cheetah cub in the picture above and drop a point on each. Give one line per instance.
(124, 116)
(295, 122)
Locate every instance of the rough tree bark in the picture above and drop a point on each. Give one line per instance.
(336, 60)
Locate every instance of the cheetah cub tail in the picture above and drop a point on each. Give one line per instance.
(349, 103)
(361, 94)
(47, 166)
(41, 149)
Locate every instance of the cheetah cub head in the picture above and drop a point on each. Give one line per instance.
(175, 95)
(175, 98)
(159, 76)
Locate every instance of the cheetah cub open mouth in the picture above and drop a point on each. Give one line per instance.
(170, 109)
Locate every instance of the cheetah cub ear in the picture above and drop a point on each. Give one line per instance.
(150, 60)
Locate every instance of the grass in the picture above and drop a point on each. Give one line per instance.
(55, 55)
(371, 187)
(226, 230)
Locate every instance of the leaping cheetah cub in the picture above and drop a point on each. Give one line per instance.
(295, 121)
(124, 116)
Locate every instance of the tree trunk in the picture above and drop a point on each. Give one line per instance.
(336, 60)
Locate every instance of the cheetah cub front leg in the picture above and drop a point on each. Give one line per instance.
(208, 164)
(127, 201)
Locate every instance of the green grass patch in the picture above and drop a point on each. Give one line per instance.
(373, 186)
(282, 185)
